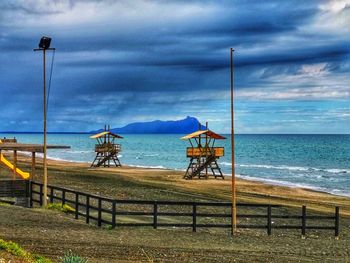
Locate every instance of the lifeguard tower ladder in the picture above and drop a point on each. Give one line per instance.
(106, 149)
(203, 155)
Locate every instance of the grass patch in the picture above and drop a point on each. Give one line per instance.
(16, 250)
(69, 257)
(7, 201)
(62, 208)
(108, 227)
(13, 248)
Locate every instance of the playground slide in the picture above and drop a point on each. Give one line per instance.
(19, 172)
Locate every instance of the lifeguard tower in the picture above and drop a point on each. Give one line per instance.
(106, 149)
(203, 154)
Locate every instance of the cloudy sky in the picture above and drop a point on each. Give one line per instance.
(124, 61)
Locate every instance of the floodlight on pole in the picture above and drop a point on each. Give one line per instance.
(44, 45)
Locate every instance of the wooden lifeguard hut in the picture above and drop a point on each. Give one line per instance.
(106, 149)
(203, 154)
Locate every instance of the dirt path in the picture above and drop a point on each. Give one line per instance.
(52, 233)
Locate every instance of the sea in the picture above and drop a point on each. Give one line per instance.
(319, 162)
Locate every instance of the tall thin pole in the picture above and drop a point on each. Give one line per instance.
(45, 132)
(43, 47)
(233, 184)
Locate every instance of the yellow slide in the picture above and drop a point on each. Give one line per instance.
(19, 172)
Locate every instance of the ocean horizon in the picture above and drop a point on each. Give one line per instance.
(315, 161)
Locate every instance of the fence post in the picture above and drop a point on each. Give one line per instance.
(31, 193)
(114, 210)
(63, 197)
(155, 215)
(87, 209)
(194, 217)
(232, 230)
(99, 223)
(303, 221)
(41, 194)
(76, 205)
(27, 187)
(51, 195)
(336, 226)
(269, 223)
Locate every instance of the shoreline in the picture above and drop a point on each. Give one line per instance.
(248, 191)
(242, 177)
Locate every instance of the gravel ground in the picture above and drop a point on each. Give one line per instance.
(52, 233)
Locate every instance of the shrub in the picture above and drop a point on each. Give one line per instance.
(40, 259)
(69, 257)
(108, 227)
(16, 250)
(4, 204)
(63, 208)
(12, 248)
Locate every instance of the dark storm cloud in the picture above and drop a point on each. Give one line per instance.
(142, 58)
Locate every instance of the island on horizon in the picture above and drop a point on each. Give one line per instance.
(182, 126)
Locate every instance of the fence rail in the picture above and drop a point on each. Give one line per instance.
(14, 188)
(109, 211)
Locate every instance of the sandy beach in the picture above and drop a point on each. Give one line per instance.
(52, 233)
(248, 191)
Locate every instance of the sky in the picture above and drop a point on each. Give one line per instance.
(118, 62)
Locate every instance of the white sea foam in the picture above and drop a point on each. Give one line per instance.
(226, 163)
(64, 159)
(277, 167)
(151, 155)
(338, 171)
(76, 151)
(293, 185)
(148, 166)
(290, 168)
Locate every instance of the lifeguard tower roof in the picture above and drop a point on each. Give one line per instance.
(101, 134)
(208, 133)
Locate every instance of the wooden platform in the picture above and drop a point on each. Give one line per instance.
(24, 147)
(200, 151)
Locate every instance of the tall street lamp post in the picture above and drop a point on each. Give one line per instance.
(44, 45)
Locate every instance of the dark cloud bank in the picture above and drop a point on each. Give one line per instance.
(120, 61)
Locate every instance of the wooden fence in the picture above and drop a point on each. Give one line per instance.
(156, 214)
(14, 188)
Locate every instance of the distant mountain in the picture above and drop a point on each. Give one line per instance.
(187, 125)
